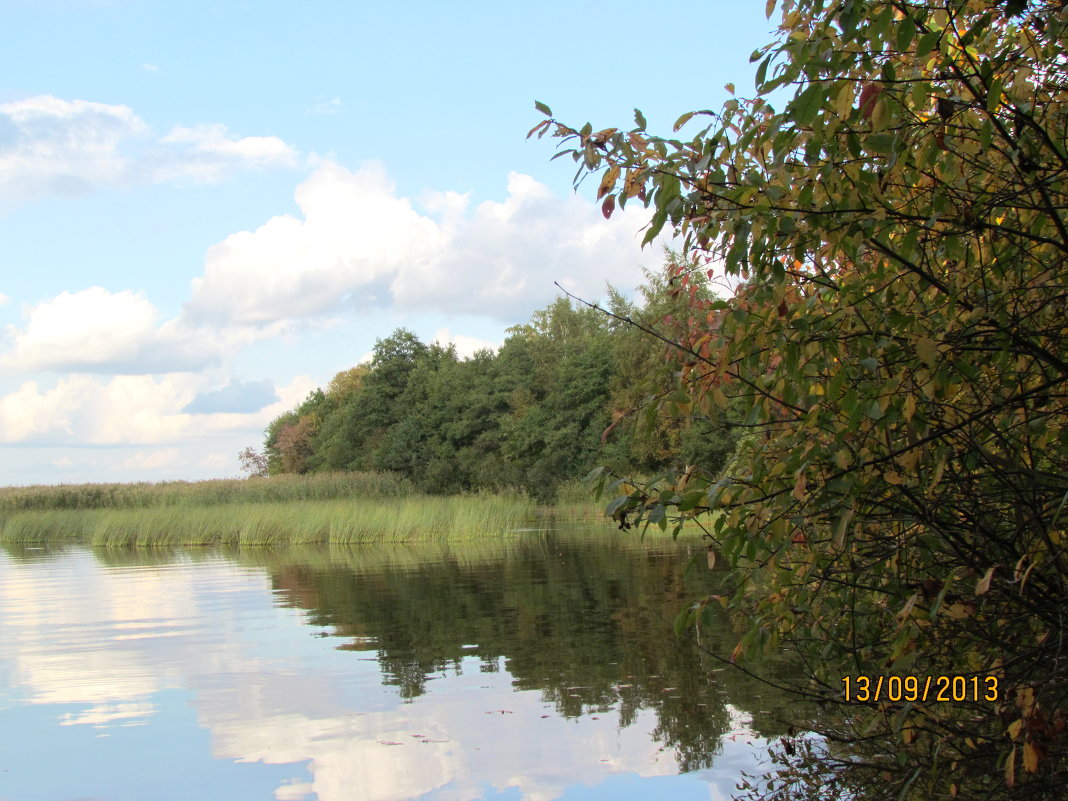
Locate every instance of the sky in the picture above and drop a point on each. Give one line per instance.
(207, 209)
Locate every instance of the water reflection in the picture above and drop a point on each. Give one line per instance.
(541, 668)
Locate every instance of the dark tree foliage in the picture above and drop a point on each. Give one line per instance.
(898, 227)
(566, 392)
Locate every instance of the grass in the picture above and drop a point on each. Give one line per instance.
(345, 508)
(285, 488)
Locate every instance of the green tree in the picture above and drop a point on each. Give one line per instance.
(898, 345)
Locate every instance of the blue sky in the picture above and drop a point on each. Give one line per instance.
(209, 208)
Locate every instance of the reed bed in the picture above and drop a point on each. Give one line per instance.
(416, 517)
(277, 489)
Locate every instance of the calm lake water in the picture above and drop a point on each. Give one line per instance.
(540, 668)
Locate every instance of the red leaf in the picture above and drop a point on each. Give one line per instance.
(608, 206)
(868, 95)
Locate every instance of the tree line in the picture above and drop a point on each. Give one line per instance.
(567, 391)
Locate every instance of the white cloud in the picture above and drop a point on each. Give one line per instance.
(355, 236)
(150, 460)
(52, 146)
(4, 299)
(128, 410)
(101, 331)
(358, 243)
(466, 346)
(208, 151)
(216, 461)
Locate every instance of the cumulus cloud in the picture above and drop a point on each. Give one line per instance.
(95, 330)
(357, 243)
(236, 397)
(52, 146)
(127, 410)
(355, 235)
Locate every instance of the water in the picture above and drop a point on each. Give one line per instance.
(541, 668)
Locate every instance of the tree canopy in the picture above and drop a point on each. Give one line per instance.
(892, 202)
(558, 398)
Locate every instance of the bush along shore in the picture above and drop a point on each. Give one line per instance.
(321, 508)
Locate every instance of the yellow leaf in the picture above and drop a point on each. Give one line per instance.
(1030, 758)
(1010, 768)
(928, 351)
(608, 181)
(983, 585)
(959, 611)
(843, 104)
(1014, 729)
(880, 115)
(910, 406)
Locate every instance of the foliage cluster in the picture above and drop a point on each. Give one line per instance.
(897, 342)
(557, 398)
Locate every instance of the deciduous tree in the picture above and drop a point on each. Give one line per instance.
(898, 220)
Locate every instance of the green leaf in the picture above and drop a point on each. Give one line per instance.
(683, 620)
(615, 505)
(544, 109)
(690, 500)
(927, 43)
(639, 120)
(905, 31)
(761, 72)
(803, 108)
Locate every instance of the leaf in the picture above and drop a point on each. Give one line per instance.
(928, 351)
(639, 120)
(608, 206)
(769, 9)
(615, 505)
(683, 620)
(1010, 768)
(608, 181)
(927, 43)
(868, 95)
(544, 109)
(685, 118)
(880, 114)
(803, 108)
(1030, 757)
(983, 585)
(540, 126)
